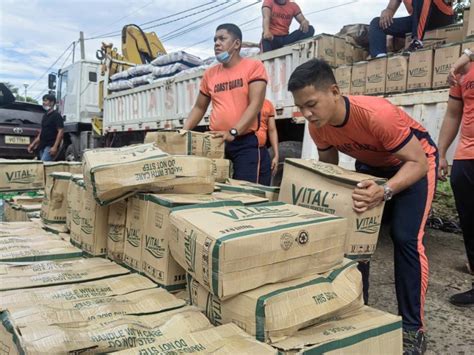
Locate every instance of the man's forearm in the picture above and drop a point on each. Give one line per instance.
(393, 5)
(448, 132)
(59, 138)
(410, 173)
(194, 117)
(247, 119)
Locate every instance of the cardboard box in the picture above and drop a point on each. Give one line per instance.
(230, 248)
(21, 175)
(44, 249)
(221, 169)
(157, 262)
(76, 192)
(420, 70)
(182, 142)
(134, 232)
(324, 48)
(72, 167)
(444, 58)
(364, 331)
(116, 230)
(272, 312)
(54, 207)
(349, 53)
(397, 74)
(54, 272)
(226, 339)
(359, 74)
(339, 51)
(240, 186)
(328, 188)
(116, 173)
(453, 33)
(467, 44)
(343, 76)
(94, 219)
(152, 300)
(106, 287)
(376, 76)
(360, 54)
(115, 335)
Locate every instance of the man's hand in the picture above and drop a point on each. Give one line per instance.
(443, 169)
(458, 68)
(53, 151)
(304, 26)
(268, 35)
(31, 148)
(386, 18)
(224, 136)
(275, 165)
(367, 195)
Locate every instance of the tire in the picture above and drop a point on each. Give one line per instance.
(71, 154)
(287, 149)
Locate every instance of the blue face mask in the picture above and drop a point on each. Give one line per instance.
(224, 57)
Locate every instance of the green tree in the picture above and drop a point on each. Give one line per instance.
(16, 92)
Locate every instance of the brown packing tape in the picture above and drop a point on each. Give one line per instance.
(128, 332)
(226, 339)
(275, 311)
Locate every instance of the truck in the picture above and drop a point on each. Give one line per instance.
(126, 116)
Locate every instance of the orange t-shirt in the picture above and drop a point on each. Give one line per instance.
(228, 89)
(440, 4)
(465, 92)
(372, 131)
(267, 111)
(281, 17)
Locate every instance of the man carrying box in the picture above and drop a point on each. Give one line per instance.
(386, 143)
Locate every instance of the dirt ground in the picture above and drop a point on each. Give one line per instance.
(450, 329)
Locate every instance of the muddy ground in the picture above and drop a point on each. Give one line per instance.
(450, 329)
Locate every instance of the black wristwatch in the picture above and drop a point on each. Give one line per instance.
(387, 192)
(233, 132)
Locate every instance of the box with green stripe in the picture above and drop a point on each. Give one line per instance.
(116, 230)
(230, 248)
(116, 173)
(328, 188)
(75, 192)
(21, 175)
(50, 167)
(239, 186)
(134, 231)
(272, 312)
(157, 262)
(363, 331)
(182, 142)
(54, 207)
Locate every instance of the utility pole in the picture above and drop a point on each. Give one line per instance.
(26, 86)
(81, 42)
(73, 51)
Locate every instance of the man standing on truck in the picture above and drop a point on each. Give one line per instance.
(277, 17)
(387, 143)
(236, 87)
(268, 130)
(424, 15)
(460, 113)
(48, 140)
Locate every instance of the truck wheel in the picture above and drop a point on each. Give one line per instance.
(287, 149)
(71, 154)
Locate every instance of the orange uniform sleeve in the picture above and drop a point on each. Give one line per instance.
(296, 9)
(321, 144)
(455, 92)
(389, 127)
(257, 72)
(267, 3)
(204, 87)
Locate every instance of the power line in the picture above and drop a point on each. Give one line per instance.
(178, 34)
(119, 32)
(124, 17)
(52, 65)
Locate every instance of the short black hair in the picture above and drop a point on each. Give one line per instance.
(50, 97)
(316, 72)
(234, 30)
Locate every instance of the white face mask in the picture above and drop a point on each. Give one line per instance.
(46, 107)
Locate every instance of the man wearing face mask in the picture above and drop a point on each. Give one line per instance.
(51, 133)
(236, 87)
(277, 17)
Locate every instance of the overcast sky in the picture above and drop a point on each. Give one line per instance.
(34, 33)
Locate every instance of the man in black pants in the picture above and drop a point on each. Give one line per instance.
(424, 15)
(460, 112)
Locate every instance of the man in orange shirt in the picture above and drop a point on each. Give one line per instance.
(388, 143)
(236, 87)
(277, 17)
(268, 129)
(460, 113)
(424, 15)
